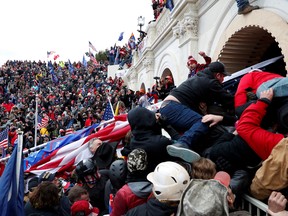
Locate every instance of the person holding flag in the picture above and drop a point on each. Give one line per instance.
(131, 42)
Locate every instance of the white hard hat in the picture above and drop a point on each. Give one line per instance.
(169, 181)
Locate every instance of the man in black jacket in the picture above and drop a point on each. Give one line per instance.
(182, 108)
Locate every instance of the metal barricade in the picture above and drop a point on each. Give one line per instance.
(254, 206)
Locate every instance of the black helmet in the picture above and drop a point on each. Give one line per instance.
(118, 173)
(85, 167)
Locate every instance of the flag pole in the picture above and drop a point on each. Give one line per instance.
(111, 107)
(19, 157)
(36, 121)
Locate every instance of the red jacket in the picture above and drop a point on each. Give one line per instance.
(125, 200)
(251, 80)
(259, 139)
(52, 115)
(8, 106)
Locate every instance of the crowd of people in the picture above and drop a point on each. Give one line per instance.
(77, 100)
(121, 55)
(215, 150)
(219, 147)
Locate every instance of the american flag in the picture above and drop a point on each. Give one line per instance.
(64, 159)
(92, 58)
(69, 131)
(42, 122)
(109, 113)
(4, 138)
(49, 53)
(69, 127)
(92, 47)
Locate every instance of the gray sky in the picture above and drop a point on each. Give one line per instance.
(30, 28)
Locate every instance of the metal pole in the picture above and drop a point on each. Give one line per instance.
(19, 157)
(36, 121)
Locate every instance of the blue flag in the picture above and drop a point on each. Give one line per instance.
(12, 186)
(70, 67)
(34, 157)
(52, 72)
(121, 36)
(108, 113)
(169, 4)
(84, 62)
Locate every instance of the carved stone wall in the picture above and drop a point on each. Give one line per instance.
(186, 26)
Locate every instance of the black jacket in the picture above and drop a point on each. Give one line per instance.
(146, 134)
(152, 208)
(203, 88)
(31, 211)
(236, 153)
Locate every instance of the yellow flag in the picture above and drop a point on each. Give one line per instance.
(62, 64)
(117, 109)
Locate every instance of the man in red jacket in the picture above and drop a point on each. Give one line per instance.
(250, 83)
(194, 66)
(271, 147)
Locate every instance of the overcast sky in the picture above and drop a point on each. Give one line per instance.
(30, 28)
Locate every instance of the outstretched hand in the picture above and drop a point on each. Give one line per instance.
(212, 119)
(267, 94)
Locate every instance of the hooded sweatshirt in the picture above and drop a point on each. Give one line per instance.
(147, 135)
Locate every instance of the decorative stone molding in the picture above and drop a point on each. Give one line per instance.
(163, 22)
(147, 62)
(133, 75)
(187, 25)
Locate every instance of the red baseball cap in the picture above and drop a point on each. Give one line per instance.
(191, 61)
(223, 178)
(83, 206)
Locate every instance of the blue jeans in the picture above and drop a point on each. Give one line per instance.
(279, 85)
(182, 118)
(241, 4)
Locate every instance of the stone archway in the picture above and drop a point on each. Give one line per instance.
(143, 86)
(251, 39)
(167, 72)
